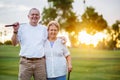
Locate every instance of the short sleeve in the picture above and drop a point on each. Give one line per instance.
(20, 32)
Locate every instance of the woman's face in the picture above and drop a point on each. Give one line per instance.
(52, 31)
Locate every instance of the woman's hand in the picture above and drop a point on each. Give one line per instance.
(69, 68)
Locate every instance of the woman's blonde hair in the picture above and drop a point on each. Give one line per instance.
(54, 23)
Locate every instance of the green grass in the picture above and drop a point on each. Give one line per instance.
(9, 62)
(87, 64)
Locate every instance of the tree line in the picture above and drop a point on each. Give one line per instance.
(91, 22)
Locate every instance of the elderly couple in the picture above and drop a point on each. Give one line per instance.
(43, 55)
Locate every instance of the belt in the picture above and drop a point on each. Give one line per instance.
(32, 58)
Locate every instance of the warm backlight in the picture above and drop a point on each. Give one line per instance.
(88, 39)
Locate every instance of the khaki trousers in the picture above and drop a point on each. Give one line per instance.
(29, 68)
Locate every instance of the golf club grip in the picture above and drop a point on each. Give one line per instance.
(9, 25)
(13, 25)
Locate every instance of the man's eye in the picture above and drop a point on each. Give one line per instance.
(37, 14)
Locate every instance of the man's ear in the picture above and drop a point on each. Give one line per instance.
(28, 16)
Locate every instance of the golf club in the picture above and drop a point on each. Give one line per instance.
(68, 76)
(10, 25)
(13, 25)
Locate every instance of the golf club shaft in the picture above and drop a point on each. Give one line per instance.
(68, 75)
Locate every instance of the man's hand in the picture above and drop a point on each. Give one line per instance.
(16, 27)
(63, 39)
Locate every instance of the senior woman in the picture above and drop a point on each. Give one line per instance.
(58, 60)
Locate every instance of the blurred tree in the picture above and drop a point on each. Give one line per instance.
(57, 10)
(61, 11)
(8, 42)
(92, 22)
(48, 15)
(116, 30)
(114, 36)
(116, 33)
(1, 43)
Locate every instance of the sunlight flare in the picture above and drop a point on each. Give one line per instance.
(88, 39)
(66, 35)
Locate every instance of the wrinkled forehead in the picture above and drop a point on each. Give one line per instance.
(34, 11)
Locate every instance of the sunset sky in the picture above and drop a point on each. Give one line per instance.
(16, 10)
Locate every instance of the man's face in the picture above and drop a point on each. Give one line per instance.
(34, 16)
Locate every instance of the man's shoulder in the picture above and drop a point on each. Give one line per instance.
(23, 25)
(43, 26)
